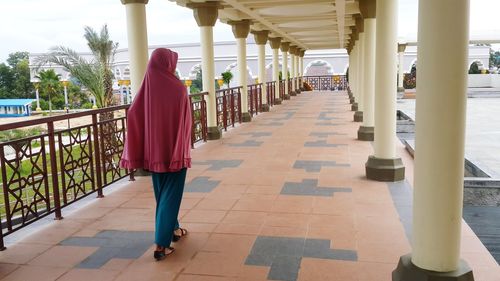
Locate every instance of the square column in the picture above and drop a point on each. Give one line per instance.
(360, 27)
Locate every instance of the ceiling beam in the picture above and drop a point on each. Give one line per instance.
(340, 10)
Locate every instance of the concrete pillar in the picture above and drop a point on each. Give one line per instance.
(385, 165)
(275, 46)
(240, 30)
(440, 140)
(355, 38)
(293, 69)
(285, 46)
(368, 10)
(401, 53)
(261, 41)
(358, 116)
(301, 69)
(206, 15)
(137, 34)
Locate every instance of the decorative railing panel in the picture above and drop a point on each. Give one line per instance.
(254, 98)
(327, 83)
(228, 107)
(199, 111)
(271, 92)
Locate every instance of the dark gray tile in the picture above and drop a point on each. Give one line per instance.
(247, 143)
(272, 124)
(285, 268)
(201, 184)
(323, 116)
(315, 166)
(217, 165)
(402, 197)
(326, 124)
(284, 254)
(112, 244)
(322, 143)
(325, 134)
(309, 187)
(258, 134)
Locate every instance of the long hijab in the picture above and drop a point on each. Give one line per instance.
(159, 120)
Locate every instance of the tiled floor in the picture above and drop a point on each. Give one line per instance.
(281, 198)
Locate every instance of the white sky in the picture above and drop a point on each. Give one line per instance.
(36, 25)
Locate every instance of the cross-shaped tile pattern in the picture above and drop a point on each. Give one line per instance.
(284, 254)
(201, 184)
(112, 244)
(217, 165)
(310, 187)
(315, 166)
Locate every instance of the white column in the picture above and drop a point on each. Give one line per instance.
(401, 52)
(292, 69)
(208, 72)
(369, 73)
(385, 82)
(66, 104)
(262, 72)
(284, 66)
(37, 99)
(242, 71)
(361, 66)
(261, 41)
(440, 133)
(276, 73)
(137, 41)
(206, 15)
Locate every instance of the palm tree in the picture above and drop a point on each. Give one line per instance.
(95, 75)
(226, 77)
(49, 83)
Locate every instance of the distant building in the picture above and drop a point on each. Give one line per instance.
(15, 107)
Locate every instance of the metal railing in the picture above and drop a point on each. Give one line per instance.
(254, 98)
(271, 92)
(326, 82)
(228, 107)
(43, 173)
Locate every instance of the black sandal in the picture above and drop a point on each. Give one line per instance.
(176, 238)
(159, 255)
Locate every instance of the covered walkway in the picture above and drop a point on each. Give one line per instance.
(284, 197)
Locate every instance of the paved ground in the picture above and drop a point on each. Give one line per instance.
(281, 198)
(482, 144)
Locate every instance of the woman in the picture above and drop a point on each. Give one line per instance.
(159, 140)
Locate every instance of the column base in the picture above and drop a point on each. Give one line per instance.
(380, 169)
(298, 91)
(407, 271)
(358, 116)
(366, 133)
(352, 100)
(287, 97)
(293, 93)
(354, 106)
(401, 89)
(214, 133)
(264, 108)
(246, 117)
(277, 101)
(302, 89)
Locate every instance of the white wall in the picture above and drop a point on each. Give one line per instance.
(484, 80)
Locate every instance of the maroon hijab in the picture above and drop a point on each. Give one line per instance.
(159, 119)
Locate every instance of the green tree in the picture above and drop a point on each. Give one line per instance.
(15, 77)
(474, 68)
(15, 58)
(227, 76)
(49, 84)
(95, 75)
(6, 81)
